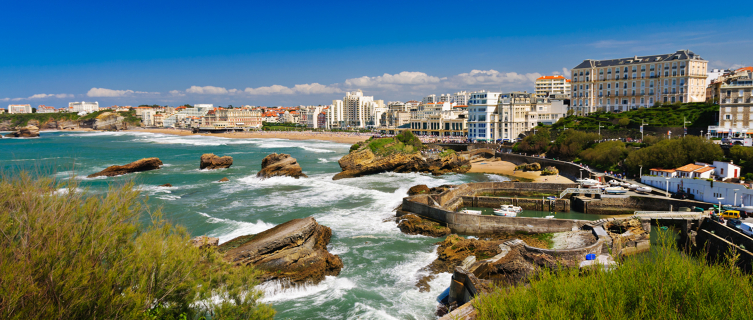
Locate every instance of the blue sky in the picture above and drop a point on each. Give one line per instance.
(291, 53)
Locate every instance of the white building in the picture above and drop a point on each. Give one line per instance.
(482, 116)
(445, 97)
(461, 98)
(714, 74)
(45, 109)
(430, 99)
(336, 115)
(312, 116)
(83, 106)
(357, 110)
(550, 85)
(19, 108)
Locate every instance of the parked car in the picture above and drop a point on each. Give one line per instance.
(734, 223)
(731, 214)
(747, 228)
(683, 195)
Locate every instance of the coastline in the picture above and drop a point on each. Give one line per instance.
(508, 169)
(290, 135)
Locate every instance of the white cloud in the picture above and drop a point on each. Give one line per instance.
(566, 72)
(44, 95)
(177, 93)
(5, 99)
(494, 77)
(102, 92)
(313, 88)
(392, 80)
(209, 90)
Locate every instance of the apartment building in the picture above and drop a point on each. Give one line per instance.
(550, 85)
(312, 116)
(432, 98)
(461, 98)
(425, 109)
(355, 110)
(83, 106)
(483, 119)
(46, 109)
(628, 83)
(736, 104)
(448, 123)
(519, 112)
(19, 108)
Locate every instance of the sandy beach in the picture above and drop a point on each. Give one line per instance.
(508, 168)
(349, 138)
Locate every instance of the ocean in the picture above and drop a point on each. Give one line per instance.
(381, 264)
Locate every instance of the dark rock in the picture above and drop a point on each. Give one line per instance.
(364, 162)
(166, 185)
(211, 161)
(30, 131)
(145, 164)
(413, 224)
(419, 189)
(280, 165)
(295, 250)
(225, 179)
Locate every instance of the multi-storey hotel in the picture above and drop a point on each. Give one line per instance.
(628, 83)
(19, 108)
(519, 112)
(483, 120)
(735, 104)
(550, 85)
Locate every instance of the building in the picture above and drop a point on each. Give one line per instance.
(19, 108)
(46, 109)
(445, 97)
(446, 124)
(83, 106)
(735, 104)
(550, 85)
(246, 118)
(519, 112)
(628, 83)
(461, 98)
(357, 110)
(714, 74)
(147, 117)
(312, 116)
(336, 115)
(483, 119)
(432, 98)
(426, 109)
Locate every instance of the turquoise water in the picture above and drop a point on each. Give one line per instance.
(382, 265)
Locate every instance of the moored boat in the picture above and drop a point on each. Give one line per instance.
(466, 211)
(643, 189)
(615, 190)
(505, 213)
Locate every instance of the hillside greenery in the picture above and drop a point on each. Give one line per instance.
(663, 284)
(674, 153)
(672, 115)
(69, 254)
(405, 142)
(22, 119)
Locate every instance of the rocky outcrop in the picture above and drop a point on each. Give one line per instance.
(109, 121)
(529, 167)
(30, 131)
(204, 242)
(364, 162)
(280, 165)
(225, 179)
(413, 224)
(295, 250)
(211, 161)
(166, 185)
(549, 171)
(418, 189)
(145, 164)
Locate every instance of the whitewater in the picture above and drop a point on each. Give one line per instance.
(381, 265)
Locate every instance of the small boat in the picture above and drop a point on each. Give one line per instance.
(615, 190)
(587, 182)
(614, 182)
(551, 198)
(597, 186)
(466, 211)
(550, 217)
(510, 207)
(624, 184)
(505, 213)
(643, 189)
(633, 186)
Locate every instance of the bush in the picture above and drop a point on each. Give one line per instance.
(674, 153)
(407, 138)
(663, 285)
(68, 255)
(605, 155)
(536, 143)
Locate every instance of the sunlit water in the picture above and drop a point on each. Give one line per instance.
(382, 265)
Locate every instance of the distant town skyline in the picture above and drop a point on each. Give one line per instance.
(309, 54)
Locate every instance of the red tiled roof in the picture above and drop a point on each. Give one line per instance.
(689, 168)
(663, 170)
(706, 169)
(550, 77)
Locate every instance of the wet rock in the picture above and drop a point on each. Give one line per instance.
(413, 224)
(145, 164)
(211, 161)
(280, 165)
(364, 162)
(225, 179)
(166, 185)
(204, 241)
(295, 250)
(30, 131)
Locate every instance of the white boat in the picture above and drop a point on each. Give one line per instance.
(624, 184)
(510, 207)
(466, 211)
(614, 182)
(633, 186)
(615, 190)
(587, 182)
(598, 186)
(505, 213)
(643, 189)
(550, 217)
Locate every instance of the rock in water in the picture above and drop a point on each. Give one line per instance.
(364, 162)
(413, 224)
(30, 131)
(225, 179)
(211, 161)
(145, 164)
(166, 185)
(275, 165)
(295, 250)
(418, 189)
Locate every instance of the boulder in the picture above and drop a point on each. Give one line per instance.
(109, 121)
(295, 250)
(225, 179)
(413, 224)
(419, 189)
(364, 162)
(145, 164)
(529, 167)
(211, 161)
(166, 185)
(279, 165)
(30, 131)
(204, 241)
(549, 171)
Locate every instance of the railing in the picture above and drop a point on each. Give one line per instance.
(580, 191)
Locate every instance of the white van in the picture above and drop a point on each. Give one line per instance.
(747, 228)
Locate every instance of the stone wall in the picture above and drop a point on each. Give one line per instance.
(559, 205)
(717, 249)
(471, 189)
(627, 205)
(566, 169)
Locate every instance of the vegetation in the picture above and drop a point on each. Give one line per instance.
(664, 284)
(670, 115)
(606, 155)
(68, 255)
(743, 156)
(408, 138)
(673, 153)
(22, 119)
(446, 152)
(534, 144)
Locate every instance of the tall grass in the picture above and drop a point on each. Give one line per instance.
(66, 254)
(664, 284)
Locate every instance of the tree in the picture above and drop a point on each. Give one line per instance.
(674, 153)
(605, 155)
(68, 255)
(571, 143)
(536, 143)
(742, 156)
(623, 122)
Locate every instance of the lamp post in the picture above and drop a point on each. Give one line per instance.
(720, 204)
(684, 129)
(581, 174)
(667, 186)
(640, 174)
(735, 201)
(600, 126)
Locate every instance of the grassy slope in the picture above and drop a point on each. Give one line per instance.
(698, 114)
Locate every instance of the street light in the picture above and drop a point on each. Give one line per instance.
(640, 174)
(600, 126)
(720, 204)
(667, 186)
(735, 198)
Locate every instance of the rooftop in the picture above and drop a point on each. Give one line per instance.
(678, 55)
(550, 77)
(689, 168)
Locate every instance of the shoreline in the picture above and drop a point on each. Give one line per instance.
(508, 168)
(348, 138)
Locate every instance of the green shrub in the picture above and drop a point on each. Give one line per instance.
(446, 152)
(355, 147)
(71, 255)
(407, 138)
(664, 284)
